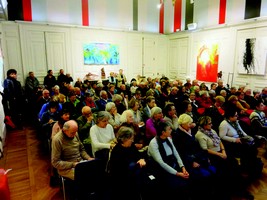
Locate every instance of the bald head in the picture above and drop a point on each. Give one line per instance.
(70, 128)
(86, 110)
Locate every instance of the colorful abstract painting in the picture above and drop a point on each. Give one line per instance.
(207, 63)
(101, 54)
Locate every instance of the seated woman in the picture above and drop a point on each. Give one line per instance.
(114, 116)
(102, 136)
(187, 108)
(64, 116)
(117, 99)
(150, 103)
(134, 105)
(226, 165)
(194, 158)
(125, 166)
(239, 144)
(204, 101)
(49, 117)
(166, 162)
(152, 123)
(259, 120)
(128, 121)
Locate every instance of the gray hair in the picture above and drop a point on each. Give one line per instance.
(123, 117)
(124, 133)
(223, 92)
(155, 110)
(101, 115)
(102, 92)
(184, 119)
(116, 97)
(109, 106)
(69, 124)
(56, 87)
(201, 92)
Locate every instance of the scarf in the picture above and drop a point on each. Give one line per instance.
(214, 137)
(236, 127)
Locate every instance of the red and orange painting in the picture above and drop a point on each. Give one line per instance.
(207, 63)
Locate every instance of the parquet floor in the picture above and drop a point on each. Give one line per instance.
(29, 178)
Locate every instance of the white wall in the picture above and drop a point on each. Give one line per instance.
(36, 47)
(227, 38)
(39, 47)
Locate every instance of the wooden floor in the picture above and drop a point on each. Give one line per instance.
(29, 178)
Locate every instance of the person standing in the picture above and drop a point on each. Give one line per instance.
(49, 80)
(121, 78)
(31, 88)
(62, 78)
(13, 97)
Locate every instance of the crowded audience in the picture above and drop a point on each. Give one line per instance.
(191, 134)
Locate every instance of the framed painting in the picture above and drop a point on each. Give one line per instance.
(101, 54)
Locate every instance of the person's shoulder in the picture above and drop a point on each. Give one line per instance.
(58, 136)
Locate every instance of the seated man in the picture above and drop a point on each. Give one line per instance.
(67, 150)
(85, 122)
(259, 120)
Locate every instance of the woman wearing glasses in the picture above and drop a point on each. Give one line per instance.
(240, 144)
(226, 165)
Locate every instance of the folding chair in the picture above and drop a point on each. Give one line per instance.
(90, 180)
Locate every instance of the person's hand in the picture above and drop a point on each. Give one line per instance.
(112, 145)
(222, 155)
(50, 121)
(91, 158)
(141, 162)
(90, 118)
(193, 125)
(74, 164)
(242, 112)
(196, 165)
(238, 140)
(140, 124)
(184, 174)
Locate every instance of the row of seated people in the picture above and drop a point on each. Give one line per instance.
(180, 160)
(149, 130)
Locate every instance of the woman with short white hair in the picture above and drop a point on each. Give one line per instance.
(194, 158)
(114, 116)
(152, 122)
